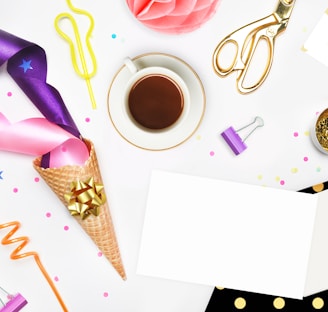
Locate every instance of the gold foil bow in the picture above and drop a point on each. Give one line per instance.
(85, 198)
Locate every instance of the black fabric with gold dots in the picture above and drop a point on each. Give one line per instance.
(229, 300)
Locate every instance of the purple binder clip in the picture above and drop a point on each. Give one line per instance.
(236, 143)
(15, 303)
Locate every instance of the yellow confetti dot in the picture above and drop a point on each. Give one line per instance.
(279, 303)
(260, 177)
(294, 170)
(318, 303)
(240, 303)
(277, 179)
(318, 187)
(198, 137)
(306, 133)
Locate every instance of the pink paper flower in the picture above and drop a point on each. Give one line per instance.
(173, 16)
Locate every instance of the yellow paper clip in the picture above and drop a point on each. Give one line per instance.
(84, 73)
(15, 255)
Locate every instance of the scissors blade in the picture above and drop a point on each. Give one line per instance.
(283, 12)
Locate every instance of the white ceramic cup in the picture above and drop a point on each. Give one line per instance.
(151, 98)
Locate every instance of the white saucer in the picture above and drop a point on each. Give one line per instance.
(163, 139)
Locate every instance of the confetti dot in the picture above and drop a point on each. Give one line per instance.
(15, 189)
(318, 169)
(318, 303)
(48, 214)
(240, 303)
(318, 187)
(305, 158)
(277, 179)
(100, 254)
(114, 36)
(295, 134)
(306, 133)
(279, 303)
(212, 153)
(56, 278)
(198, 137)
(36, 179)
(294, 170)
(87, 119)
(282, 182)
(66, 228)
(105, 294)
(9, 93)
(260, 177)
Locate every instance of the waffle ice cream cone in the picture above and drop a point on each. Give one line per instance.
(100, 228)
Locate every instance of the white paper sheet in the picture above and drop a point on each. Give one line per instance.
(317, 43)
(235, 235)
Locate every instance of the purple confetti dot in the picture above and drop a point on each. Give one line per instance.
(282, 182)
(66, 228)
(9, 93)
(48, 214)
(15, 189)
(87, 119)
(305, 158)
(295, 134)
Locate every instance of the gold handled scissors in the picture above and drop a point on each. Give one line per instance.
(245, 41)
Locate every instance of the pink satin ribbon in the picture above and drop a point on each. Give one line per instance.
(38, 136)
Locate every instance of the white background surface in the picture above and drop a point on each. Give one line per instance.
(295, 90)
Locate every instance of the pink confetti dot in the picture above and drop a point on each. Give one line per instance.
(66, 228)
(48, 214)
(56, 278)
(282, 182)
(305, 158)
(295, 134)
(106, 294)
(212, 153)
(15, 189)
(100, 254)
(9, 93)
(87, 119)
(36, 179)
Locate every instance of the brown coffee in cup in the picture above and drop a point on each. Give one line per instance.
(155, 101)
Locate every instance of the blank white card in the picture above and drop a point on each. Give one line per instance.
(235, 235)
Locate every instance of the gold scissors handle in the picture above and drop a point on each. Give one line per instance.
(245, 41)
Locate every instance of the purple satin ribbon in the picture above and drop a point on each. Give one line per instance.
(27, 65)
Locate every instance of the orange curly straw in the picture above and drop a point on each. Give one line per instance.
(15, 255)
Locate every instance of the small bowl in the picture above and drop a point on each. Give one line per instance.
(319, 133)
